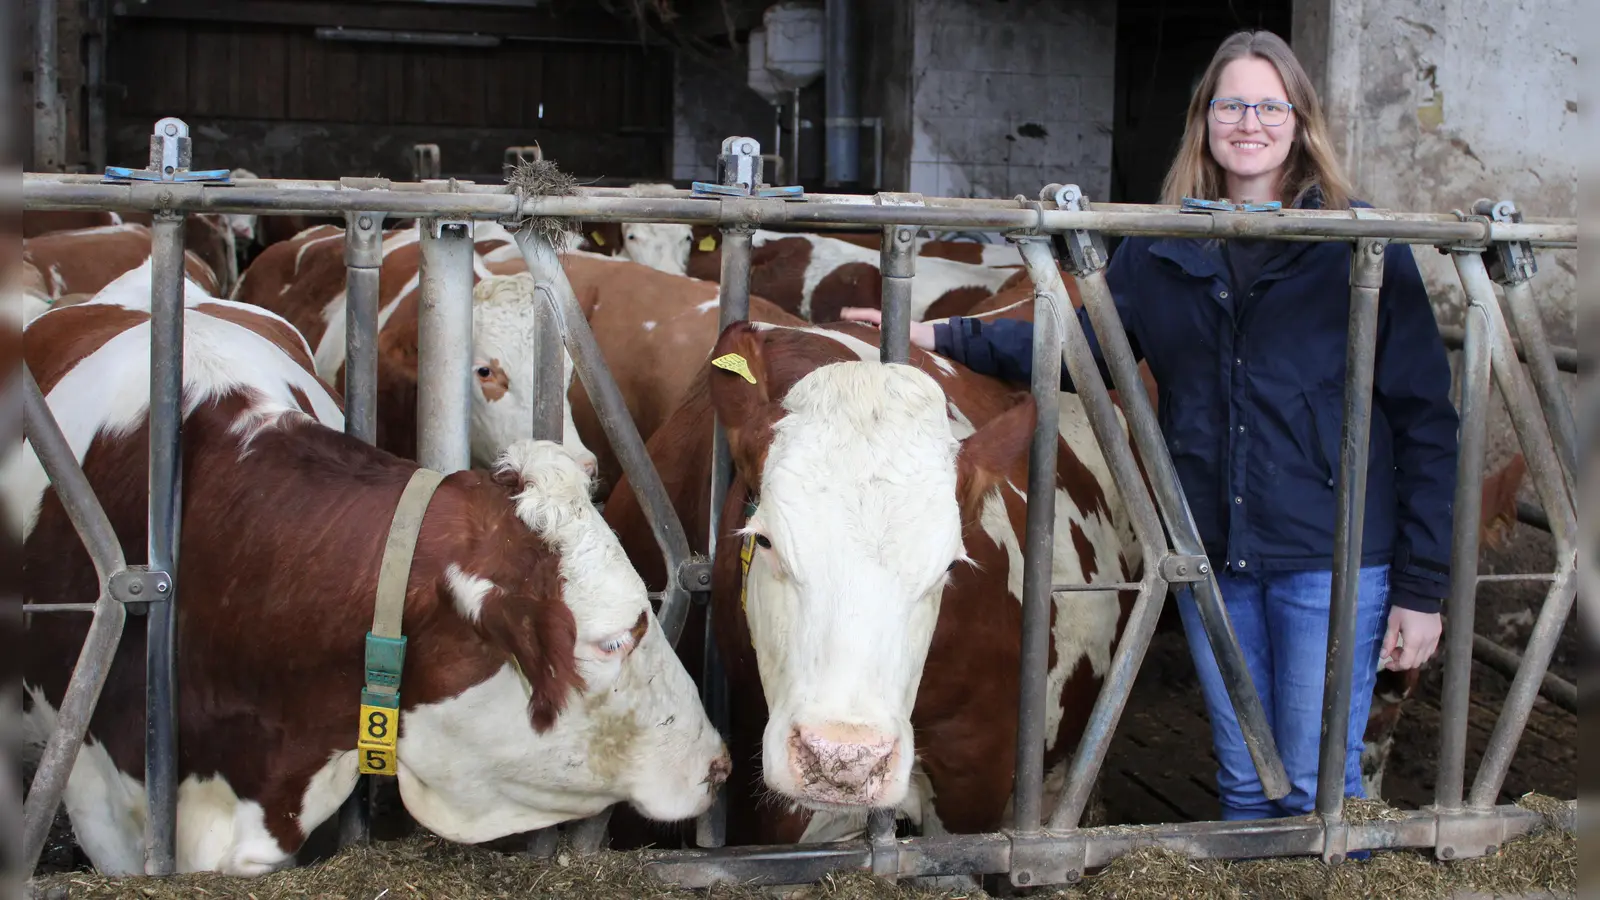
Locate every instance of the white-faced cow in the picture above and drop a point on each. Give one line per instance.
(537, 686)
(872, 652)
(303, 280)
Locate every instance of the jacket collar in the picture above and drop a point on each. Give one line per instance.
(1202, 257)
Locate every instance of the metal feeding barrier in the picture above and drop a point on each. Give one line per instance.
(1492, 243)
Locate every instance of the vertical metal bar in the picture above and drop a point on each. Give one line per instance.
(551, 281)
(1118, 453)
(898, 266)
(95, 68)
(1464, 563)
(1366, 278)
(1546, 380)
(48, 122)
(1532, 431)
(1038, 555)
(1175, 513)
(105, 629)
(1547, 475)
(550, 388)
(444, 346)
(363, 260)
(711, 828)
(843, 156)
(166, 461)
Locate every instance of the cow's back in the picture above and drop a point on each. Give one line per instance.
(86, 260)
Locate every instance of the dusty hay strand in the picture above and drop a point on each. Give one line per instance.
(543, 178)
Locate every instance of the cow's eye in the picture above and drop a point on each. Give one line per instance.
(763, 542)
(483, 371)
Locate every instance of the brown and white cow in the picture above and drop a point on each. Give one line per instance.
(654, 330)
(537, 688)
(814, 277)
(872, 653)
(303, 280)
(85, 260)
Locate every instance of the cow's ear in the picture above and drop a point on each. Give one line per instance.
(535, 628)
(989, 454)
(742, 394)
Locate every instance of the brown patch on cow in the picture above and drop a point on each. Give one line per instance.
(987, 457)
(1074, 477)
(601, 237)
(1085, 550)
(301, 401)
(496, 384)
(1498, 515)
(297, 285)
(280, 333)
(852, 284)
(956, 302)
(245, 613)
(36, 222)
(55, 343)
(778, 271)
(957, 251)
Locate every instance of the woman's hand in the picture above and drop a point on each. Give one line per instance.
(921, 332)
(1411, 639)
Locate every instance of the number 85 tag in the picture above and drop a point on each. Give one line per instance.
(378, 740)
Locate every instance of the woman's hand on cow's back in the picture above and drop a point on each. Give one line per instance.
(921, 332)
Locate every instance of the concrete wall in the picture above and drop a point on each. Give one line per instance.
(1441, 102)
(1007, 97)
(711, 102)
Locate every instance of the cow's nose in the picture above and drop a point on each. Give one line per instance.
(721, 768)
(839, 763)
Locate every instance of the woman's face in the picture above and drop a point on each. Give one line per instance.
(1246, 149)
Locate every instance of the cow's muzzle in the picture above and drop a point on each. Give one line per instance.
(842, 764)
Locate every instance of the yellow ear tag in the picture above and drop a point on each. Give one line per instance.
(708, 243)
(736, 364)
(598, 240)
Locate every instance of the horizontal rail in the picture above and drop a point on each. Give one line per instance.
(1116, 586)
(475, 201)
(1071, 854)
(1522, 576)
(1566, 357)
(1506, 661)
(59, 607)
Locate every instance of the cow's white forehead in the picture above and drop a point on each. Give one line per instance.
(865, 457)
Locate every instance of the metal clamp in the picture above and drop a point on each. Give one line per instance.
(1086, 248)
(1508, 262)
(885, 846)
(1335, 839)
(1468, 834)
(1042, 859)
(171, 152)
(140, 584)
(1196, 205)
(739, 175)
(1179, 569)
(694, 575)
(363, 244)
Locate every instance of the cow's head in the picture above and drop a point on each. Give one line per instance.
(503, 370)
(863, 490)
(588, 704)
(663, 246)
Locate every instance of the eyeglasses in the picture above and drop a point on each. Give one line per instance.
(1270, 113)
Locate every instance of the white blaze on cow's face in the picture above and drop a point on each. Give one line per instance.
(858, 525)
(660, 246)
(474, 768)
(503, 371)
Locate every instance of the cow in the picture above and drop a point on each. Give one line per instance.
(654, 331)
(85, 260)
(212, 237)
(303, 280)
(814, 277)
(872, 652)
(664, 246)
(28, 295)
(537, 684)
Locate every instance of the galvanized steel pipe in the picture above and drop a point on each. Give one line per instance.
(1037, 560)
(1366, 279)
(1118, 453)
(898, 267)
(104, 633)
(49, 122)
(166, 460)
(363, 260)
(1542, 370)
(444, 346)
(1456, 693)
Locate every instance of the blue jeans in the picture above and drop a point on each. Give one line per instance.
(1281, 619)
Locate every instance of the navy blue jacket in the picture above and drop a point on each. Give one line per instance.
(1251, 389)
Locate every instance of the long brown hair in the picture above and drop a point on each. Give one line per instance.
(1311, 163)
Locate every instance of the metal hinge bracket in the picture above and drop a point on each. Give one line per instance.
(1508, 262)
(739, 175)
(694, 574)
(1086, 249)
(171, 151)
(140, 584)
(1179, 569)
(1043, 859)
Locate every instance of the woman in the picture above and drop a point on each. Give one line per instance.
(1247, 342)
